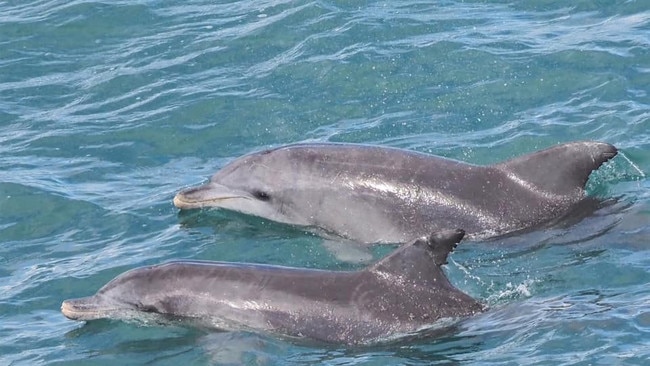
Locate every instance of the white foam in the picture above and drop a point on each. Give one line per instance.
(513, 291)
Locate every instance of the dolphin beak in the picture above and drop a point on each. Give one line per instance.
(85, 308)
(207, 195)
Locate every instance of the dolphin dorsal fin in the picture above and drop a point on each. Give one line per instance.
(562, 169)
(421, 255)
(441, 243)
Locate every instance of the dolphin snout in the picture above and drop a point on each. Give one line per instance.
(186, 198)
(85, 308)
(207, 195)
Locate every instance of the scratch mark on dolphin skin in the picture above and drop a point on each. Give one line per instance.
(256, 164)
(531, 187)
(405, 193)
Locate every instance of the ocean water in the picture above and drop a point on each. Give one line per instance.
(108, 108)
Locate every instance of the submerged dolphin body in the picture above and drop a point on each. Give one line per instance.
(374, 194)
(401, 294)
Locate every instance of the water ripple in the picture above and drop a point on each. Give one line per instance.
(108, 108)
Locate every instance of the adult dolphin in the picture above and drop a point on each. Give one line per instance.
(405, 292)
(375, 194)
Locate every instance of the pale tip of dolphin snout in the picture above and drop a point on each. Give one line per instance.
(68, 310)
(183, 198)
(178, 201)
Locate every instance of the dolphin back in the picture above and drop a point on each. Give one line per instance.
(560, 170)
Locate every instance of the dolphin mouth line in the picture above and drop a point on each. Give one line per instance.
(180, 201)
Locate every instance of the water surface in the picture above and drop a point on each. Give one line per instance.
(108, 108)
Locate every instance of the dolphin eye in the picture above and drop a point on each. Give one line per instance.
(146, 308)
(261, 195)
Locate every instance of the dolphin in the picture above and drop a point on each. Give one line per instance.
(402, 294)
(373, 194)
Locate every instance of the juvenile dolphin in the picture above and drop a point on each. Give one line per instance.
(375, 194)
(401, 294)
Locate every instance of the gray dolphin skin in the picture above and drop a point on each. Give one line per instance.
(373, 194)
(400, 294)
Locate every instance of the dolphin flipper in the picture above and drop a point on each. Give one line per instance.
(559, 170)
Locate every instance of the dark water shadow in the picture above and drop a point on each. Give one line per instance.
(220, 221)
(590, 219)
(439, 346)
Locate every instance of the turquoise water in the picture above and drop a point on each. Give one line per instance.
(109, 108)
